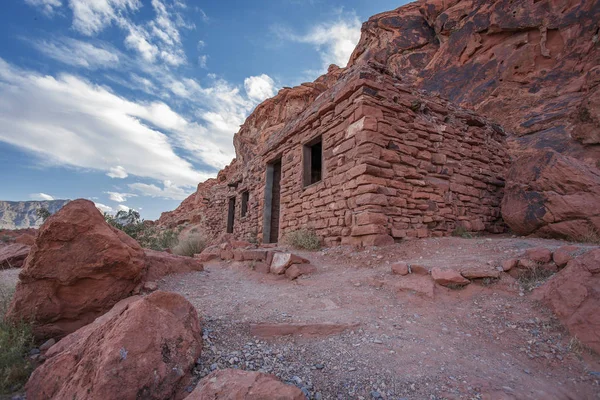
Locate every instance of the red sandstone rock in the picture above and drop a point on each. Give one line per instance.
(142, 348)
(233, 384)
(540, 255)
(296, 270)
(550, 194)
(509, 264)
(564, 254)
(268, 330)
(446, 277)
(78, 268)
(262, 267)
(574, 297)
(480, 273)
(419, 269)
(209, 254)
(159, 264)
(282, 261)
(13, 255)
(25, 239)
(417, 284)
(400, 268)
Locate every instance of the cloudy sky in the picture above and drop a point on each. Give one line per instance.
(131, 103)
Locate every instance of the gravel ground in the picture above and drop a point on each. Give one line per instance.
(482, 342)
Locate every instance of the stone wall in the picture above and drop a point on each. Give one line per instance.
(396, 164)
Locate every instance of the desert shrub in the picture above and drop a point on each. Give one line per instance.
(533, 277)
(303, 239)
(461, 231)
(16, 339)
(191, 244)
(591, 235)
(43, 213)
(147, 236)
(6, 239)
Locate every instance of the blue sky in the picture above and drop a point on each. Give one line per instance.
(131, 103)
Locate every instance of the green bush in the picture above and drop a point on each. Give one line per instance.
(16, 339)
(191, 244)
(147, 236)
(303, 239)
(461, 231)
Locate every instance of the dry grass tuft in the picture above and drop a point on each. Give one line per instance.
(305, 239)
(191, 244)
(591, 235)
(15, 342)
(534, 277)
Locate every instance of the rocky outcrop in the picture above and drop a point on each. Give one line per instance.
(160, 263)
(573, 296)
(143, 348)
(233, 384)
(23, 214)
(532, 66)
(13, 255)
(550, 194)
(78, 268)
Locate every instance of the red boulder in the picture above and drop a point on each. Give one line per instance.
(78, 268)
(573, 296)
(13, 255)
(233, 384)
(160, 263)
(144, 348)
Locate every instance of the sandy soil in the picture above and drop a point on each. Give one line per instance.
(486, 341)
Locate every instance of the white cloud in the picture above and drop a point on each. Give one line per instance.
(169, 191)
(260, 87)
(122, 207)
(48, 6)
(104, 208)
(78, 53)
(72, 122)
(117, 172)
(201, 44)
(119, 197)
(92, 16)
(41, 196)
(202, 61)
(335, 40)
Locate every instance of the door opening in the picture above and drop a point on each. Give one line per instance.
(231, 215)
(272, 202)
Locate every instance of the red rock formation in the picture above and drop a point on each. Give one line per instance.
(233, 384)
(532, 66)
(144, 348)
(574, 297)
(13, 255)
(160, 263)
(550, 194)
(78, 268)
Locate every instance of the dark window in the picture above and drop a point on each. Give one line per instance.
(231, 215)
(313, 161)
(245, 198)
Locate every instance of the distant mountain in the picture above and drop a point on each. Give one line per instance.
(22, 214)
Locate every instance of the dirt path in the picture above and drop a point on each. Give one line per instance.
(481, 342)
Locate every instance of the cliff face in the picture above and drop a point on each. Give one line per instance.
(22, 214)
(530, 65)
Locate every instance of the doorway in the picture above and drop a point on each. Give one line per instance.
(272, 202)
(231, 215)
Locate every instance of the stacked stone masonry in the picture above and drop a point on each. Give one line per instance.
(395, 164)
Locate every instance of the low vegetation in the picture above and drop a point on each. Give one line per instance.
(191, 244)
(591, 235)
(16, 340)
(305, 239)
(534, 277)
(461, 231)
(147, 236)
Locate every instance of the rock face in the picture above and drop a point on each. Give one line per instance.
(78, 268)
(13, 255)
(144, 348)
(532, 66)
(550, 194)
(232, 384)
(574, 297)
(22, 214)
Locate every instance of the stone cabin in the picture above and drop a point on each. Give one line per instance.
(367, 162)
